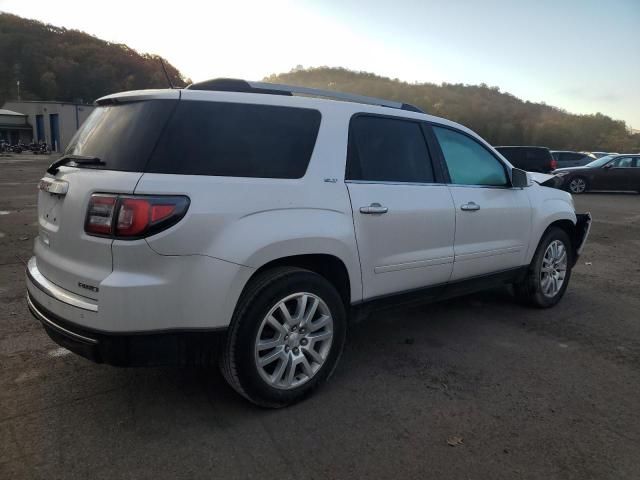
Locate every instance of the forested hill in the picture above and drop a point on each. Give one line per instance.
(499, 117)
(54, 63)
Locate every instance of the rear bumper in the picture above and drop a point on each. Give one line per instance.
(145, 292)
(124, 350)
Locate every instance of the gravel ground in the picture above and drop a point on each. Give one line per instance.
(528, 393)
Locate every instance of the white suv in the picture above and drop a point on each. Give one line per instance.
(266, 217)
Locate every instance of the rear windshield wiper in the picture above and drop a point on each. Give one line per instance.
(77, 159)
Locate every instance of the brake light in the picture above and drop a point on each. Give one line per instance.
(133, 216)
(554, 164)
(99, 219)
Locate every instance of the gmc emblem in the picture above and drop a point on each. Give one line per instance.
(88, 287)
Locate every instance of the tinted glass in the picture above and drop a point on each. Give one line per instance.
(122, 136)
(384, 149)
(572, 156)
(538, 154)
(622, 162)
(237, 140)
(514, 154)
(469, 163)
(599, 162)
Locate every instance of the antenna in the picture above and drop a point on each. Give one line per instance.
(165, 73)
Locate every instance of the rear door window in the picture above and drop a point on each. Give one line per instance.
(237, 140)
(388, 150)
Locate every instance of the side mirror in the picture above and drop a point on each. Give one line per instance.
(608, 166)
(519, 178)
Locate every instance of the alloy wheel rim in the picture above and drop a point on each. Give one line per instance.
(577, 185)
(554, 268)
(294, 340)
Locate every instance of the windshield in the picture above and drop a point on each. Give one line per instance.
(599, 162)
(121, 136)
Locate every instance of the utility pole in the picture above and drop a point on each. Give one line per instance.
(18, 83)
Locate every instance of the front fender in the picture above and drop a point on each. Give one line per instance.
(546, 212)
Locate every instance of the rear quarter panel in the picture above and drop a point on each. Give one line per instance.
(252, 221)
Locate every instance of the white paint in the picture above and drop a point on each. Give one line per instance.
(58, 352)
(191, 275)
(5, 212)
(28, 375)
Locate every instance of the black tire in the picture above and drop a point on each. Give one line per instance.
(529, 290)
(577, 179)
(237, 361)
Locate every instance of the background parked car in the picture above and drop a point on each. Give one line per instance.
(570, 159)
(531, 159)
(613, 172)
(597, 155)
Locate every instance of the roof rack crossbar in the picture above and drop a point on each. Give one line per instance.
(280, 89)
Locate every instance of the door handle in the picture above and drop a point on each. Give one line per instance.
(470, 207)
(374, 208)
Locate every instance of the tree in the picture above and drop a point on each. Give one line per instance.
(499, 117)
(54, 63)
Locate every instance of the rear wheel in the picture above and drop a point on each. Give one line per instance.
(578, 185)
(286, 337)
(549, 272)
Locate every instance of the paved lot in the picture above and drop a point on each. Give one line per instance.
(533, 394)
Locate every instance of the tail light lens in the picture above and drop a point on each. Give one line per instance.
(133, 216)
(100, 215)
(554, 164)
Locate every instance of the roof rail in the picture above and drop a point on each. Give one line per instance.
(236, 85)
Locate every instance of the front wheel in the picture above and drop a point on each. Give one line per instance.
(286, 337)
(549, 272)
(577, 185)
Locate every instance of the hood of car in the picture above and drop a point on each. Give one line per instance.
(539, 177)
(545, 180)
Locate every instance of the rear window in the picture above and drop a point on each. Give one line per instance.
(513, 154)
(122, 136)
(538, 154)
(236, 140)
(571, 156)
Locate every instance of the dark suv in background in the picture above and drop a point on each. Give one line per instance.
(532, 159)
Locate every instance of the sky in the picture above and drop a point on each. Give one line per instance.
(579, 55)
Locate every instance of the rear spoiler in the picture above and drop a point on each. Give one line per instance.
(138, 95)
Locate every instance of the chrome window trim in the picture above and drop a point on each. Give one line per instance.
(501, 187)
(390, 182)
(381, 182)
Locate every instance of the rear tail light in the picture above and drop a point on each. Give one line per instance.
(133, 216)
(554, 164)
(100, 216)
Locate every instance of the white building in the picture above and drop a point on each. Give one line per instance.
(14, 127)
(52, 122)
